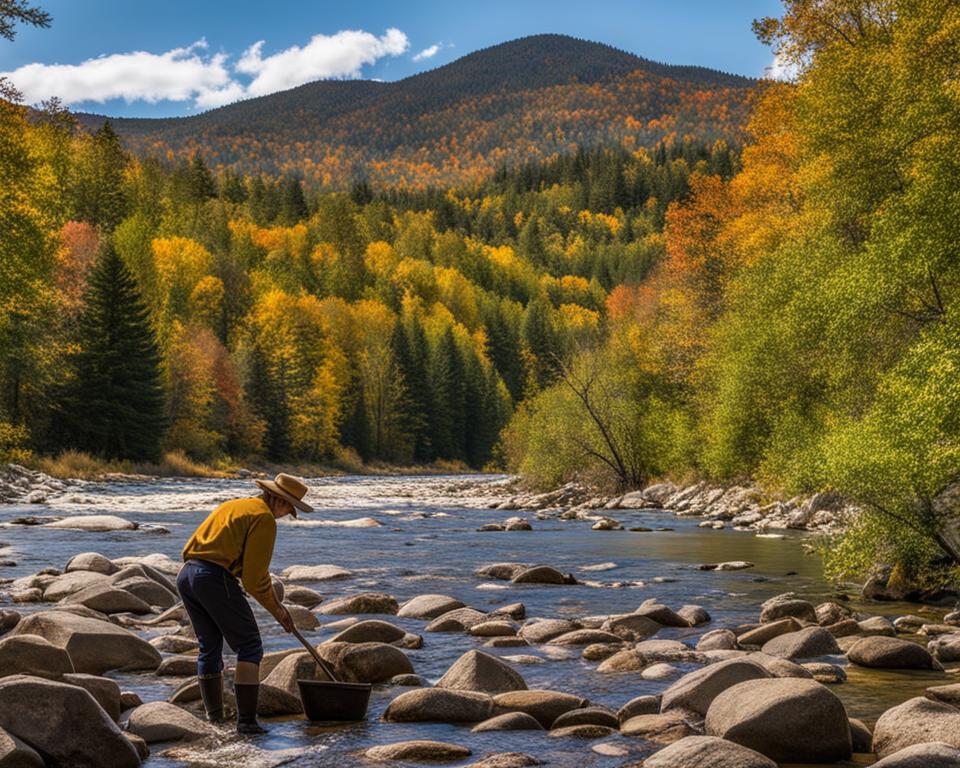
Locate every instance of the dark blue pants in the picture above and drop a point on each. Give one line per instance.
(218, 611)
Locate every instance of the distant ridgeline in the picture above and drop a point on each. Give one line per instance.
(533, 98)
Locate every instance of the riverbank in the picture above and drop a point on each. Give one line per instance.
(597, 646)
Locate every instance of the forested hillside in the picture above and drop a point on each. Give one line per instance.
(532, 98)
(160, 307)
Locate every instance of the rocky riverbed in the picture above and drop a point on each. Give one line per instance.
(544, 639)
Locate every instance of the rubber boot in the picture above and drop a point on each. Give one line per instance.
(247, 697)
(211, 691)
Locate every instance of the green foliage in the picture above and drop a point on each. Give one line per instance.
(113, 404)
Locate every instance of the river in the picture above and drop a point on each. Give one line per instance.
(428, 543)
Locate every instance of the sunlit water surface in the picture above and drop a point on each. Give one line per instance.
(428, 543)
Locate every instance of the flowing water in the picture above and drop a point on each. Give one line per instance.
(428, 543)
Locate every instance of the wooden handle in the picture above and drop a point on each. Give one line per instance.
(316, 656)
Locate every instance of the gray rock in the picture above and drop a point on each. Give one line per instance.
(588, 716)
(94, 646)
(316, 573)
(106, 598)
(545, 706)
(177, 666)
(63, 723)
(860, 736)
(419, 752)
(889, 653)
(457, 620)
(439, 705)
(707, 752)
(662, 615)
(540, 574)
(494, 629)
(829, 674)
(916, 721)
(789, 720)
(695, 614)
(830, 613)
(33, 655)
(584, 637)
(161, 721)
(365, 662)
(718, 640)
(930, 755)
(511, 721)
(583, 731)
(667, 650)
(664, 728)
(65, 585)
(536, 632)
(15, 754)
(806, 644)
(631, 626)
(766, 632)
(641, 705)
(785, 605)
(695, 691)
(304, 596)
(478, 671)
(506, 760)
(948, 694)
(103, 689)
(627, 660)
(91, 561)
(504, 571)
(370, 631)
(366, 602)
(877, 625)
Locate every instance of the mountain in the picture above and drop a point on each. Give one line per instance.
(530, 98)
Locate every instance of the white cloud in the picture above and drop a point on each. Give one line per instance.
(325, 56)
(781, 69)
(178, 75)
(185, 74)
(428, 53)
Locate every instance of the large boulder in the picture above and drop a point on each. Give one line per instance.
(930, 755)
(889, 653)
(439, 705)
(316, 573)
(63, 723)
(707, 752)
(365, 662)
(510, 721)
(718, 640)
(544, 630)
(766, 632)
(419, 752)
(806, 644)
(457, 620)
(68, 583)
(664, 728)
(541, 574)
(662, 615)
(16, 754)
(504, 571)
(365, 602)
(545, 706)
(91, 561)
(298, 595)
(161, 721)
(478, 671)
(585, 637)
(789, 720)
(370, 631)
(149, 590)
(108, 599)
(631, 626)
(945, 648)
(33, 655)
(785, 605)
(94, 646)
(916, 721)
(103, 689)
(296, 666)
(93, 523)
(428, 606)
(668, 650)
(696, 690)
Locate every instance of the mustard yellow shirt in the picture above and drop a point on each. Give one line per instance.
(239, 536)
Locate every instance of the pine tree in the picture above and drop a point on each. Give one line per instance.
(202, 184)
(100, 197)
(113, 406)
(267, 397)
(409, 348)
(293, 205)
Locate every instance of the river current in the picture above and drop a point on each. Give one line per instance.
(428, 543)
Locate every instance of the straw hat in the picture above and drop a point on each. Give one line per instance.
(288, 488)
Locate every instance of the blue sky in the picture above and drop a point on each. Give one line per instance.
(125, 57)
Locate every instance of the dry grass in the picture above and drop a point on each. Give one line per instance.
(84, 466)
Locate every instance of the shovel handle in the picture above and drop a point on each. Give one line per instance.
(316, 656)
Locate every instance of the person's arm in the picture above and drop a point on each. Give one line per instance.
(257, 553)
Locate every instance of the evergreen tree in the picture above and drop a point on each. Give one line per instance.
(202, 184)
(232, 189)
(113, 405)
(267, 396)
(409, 348)
(447, 391)
(100, 197)
(293, 205)
(541, 339)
